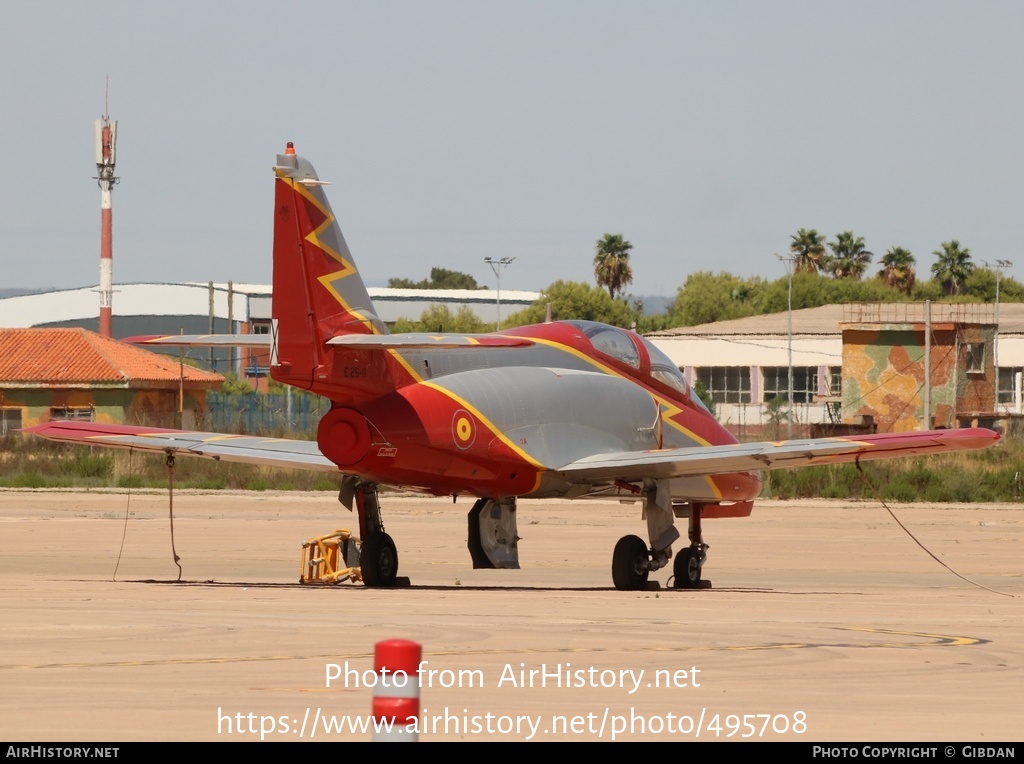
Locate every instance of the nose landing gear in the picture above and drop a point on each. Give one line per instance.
(633, 560)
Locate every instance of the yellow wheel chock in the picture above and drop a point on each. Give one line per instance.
(330, 559)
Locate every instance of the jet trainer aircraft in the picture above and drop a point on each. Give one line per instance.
(572, 409)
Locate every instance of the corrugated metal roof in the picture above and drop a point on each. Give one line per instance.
(453, 295)
(825, 320)
(129, 300)
(193, 299)
(61, 357)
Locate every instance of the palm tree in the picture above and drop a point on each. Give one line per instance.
(898, 271)
(611, 263)
(849, 258)
(808, 248)
(953, 267)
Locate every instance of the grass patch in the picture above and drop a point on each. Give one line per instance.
(994, 474)
(990, 475)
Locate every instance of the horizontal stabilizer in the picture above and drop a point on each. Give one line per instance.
(416, 341)
(748, 457)
(202, 340)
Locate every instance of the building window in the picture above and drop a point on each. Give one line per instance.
(776, 383)
(975, 357)
(71, 413)
(726, 384)
(10, 420)
(835, 381)
(1008, 383)
(260, 328)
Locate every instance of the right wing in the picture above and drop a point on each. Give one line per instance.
(747, 457)
(249, 449)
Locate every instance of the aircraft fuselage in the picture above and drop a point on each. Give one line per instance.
(500, 421)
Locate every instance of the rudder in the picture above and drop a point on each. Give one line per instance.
(318, 292)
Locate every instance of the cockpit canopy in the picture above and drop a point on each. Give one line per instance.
(624, 346)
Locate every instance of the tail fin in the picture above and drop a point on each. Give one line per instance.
(318, 292)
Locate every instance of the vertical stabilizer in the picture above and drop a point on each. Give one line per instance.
(318, 292)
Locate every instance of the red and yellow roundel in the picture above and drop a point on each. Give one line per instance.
(463, 429)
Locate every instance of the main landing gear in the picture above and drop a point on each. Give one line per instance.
(633, 560)
(378, 556)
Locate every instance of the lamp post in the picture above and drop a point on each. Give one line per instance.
(496, 266)
(790, 263)
(1000, 267)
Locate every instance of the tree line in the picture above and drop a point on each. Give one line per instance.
(847, 257)
(823, 272)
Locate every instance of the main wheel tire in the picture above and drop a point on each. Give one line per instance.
(378, 559)
(629, 555)
(687, 569)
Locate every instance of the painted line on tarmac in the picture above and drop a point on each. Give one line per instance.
(923, 639)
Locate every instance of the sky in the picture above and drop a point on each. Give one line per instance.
(705, 133)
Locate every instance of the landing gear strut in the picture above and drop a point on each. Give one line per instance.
(378, 556)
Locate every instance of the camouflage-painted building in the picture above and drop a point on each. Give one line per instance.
(885, 374)
(69, 373)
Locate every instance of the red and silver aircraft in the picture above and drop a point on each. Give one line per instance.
(571, 409)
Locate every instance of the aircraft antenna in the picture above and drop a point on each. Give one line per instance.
(864, 477)
(106, 149)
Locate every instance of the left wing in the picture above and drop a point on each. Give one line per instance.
(747, 457)
(250, 449)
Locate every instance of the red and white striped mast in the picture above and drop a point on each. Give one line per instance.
(106, 139)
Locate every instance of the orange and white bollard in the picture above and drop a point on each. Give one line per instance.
(396, 696)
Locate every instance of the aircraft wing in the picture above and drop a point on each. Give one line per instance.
(747, 457)
(626, 465)
(251, 449)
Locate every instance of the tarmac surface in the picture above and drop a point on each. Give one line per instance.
(825, 623)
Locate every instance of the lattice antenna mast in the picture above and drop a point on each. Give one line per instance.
(106, 148)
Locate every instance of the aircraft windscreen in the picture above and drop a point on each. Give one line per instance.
(663, 370)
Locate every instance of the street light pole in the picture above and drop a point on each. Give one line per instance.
(790, 263)
(999, 268)
(496, 266)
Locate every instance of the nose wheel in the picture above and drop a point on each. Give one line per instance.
(687, 568)
(633, 560)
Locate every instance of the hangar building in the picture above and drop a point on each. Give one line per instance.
(194, 308)
(859, 363)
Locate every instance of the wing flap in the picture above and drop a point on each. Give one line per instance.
(248, 449)
(748, 457)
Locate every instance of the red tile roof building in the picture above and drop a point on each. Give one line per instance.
(74, 373)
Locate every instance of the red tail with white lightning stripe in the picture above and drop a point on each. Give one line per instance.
(318, 292)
